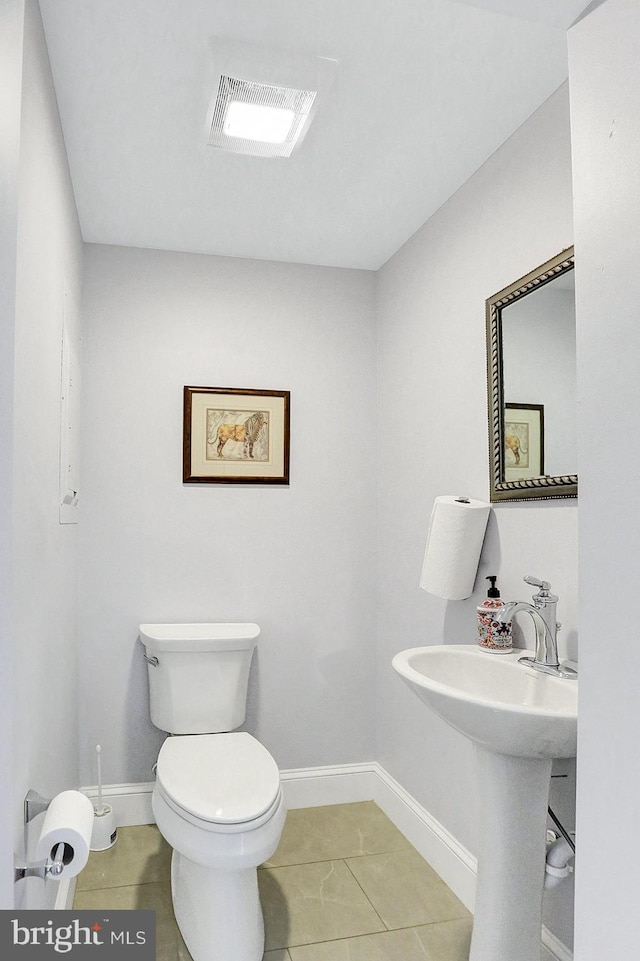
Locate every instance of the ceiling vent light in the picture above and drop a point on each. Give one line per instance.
(259, 119)
(263, 98)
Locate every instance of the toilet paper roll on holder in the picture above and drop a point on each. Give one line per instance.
(35, 804)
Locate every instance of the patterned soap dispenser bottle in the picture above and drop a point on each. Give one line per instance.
(493, 636)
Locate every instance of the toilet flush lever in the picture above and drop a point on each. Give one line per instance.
(151, 660)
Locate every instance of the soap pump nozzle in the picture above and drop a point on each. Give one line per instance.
(493, 590)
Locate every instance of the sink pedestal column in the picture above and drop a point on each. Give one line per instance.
(514, 796)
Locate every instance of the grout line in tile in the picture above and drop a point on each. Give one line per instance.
(352, 857)
(426, 924)
(79, 892)
(299, 864)
(382, 921)
(371, 934)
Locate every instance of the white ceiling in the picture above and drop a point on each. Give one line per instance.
(425, 91)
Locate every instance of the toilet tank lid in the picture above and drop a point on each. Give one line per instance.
(199, 637)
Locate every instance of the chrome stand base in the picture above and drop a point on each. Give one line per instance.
(556, 670)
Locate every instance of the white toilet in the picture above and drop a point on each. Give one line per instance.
(217, 798)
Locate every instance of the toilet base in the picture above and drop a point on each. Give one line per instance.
(218, 912)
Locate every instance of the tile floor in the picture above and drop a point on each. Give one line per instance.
(344, 885)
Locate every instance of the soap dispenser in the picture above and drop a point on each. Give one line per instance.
(493, 636)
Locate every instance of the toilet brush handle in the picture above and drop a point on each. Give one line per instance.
(100, 808)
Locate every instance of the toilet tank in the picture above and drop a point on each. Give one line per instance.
(198, 675)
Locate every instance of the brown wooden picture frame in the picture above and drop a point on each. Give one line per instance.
(524, 441)
(235, 436)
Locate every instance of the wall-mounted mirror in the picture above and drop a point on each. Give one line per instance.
(531, 367)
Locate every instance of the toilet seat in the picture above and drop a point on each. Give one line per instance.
(220, 782)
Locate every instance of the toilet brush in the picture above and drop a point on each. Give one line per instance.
(105, 833)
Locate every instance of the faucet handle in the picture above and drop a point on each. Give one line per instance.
(535, 582)
(544, 597)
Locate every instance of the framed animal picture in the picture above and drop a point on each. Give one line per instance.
(235, 436)
(523, 441)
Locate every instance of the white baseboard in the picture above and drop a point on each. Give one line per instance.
(455, 865)
(345, 784)
(339, 784)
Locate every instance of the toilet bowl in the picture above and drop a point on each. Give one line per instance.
(217, 799)
(218, 802)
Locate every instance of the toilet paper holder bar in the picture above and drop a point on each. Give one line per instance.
(54, 866)
(35, 804)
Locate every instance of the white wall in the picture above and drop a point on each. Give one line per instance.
(297, 560)
(511, 216)
(47, 284)
(605, 123)
(11, 47)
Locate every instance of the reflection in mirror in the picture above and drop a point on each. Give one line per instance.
(531, 357)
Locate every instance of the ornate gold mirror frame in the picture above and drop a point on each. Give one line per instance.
(545, 486)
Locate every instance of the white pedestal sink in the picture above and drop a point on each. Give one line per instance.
(519, 720)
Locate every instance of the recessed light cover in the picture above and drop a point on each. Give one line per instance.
(258, 118)
(257, 121)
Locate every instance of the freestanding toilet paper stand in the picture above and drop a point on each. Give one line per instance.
(35, 804)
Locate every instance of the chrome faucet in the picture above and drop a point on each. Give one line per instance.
(543, 615)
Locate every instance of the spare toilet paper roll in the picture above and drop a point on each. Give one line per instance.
(69, 820)
(454, 543)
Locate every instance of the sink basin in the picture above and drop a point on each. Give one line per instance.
(518, 720)
(492, 699)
